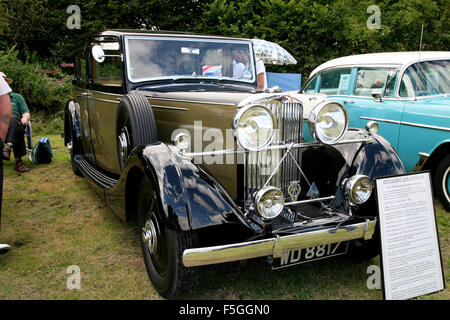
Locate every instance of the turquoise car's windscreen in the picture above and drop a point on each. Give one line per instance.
(150, 58)
(426, 78)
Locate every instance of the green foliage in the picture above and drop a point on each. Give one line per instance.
(44, 124)
(317, 31)
(313, 31)
(41, 25)
(41, 92)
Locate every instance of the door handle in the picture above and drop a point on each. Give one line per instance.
(85, 94)
(349, 101)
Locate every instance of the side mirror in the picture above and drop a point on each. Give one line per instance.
(98, 53)
(377, 94)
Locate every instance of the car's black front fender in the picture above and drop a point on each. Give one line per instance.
(329, 165)
(190, 198)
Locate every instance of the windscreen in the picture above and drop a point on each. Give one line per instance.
(152, 58)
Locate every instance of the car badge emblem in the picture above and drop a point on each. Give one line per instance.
(313, 192)
(294, 190)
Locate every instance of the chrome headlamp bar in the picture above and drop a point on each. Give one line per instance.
(273, 147)
(293, 203)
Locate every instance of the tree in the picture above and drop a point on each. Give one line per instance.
(317, 31)
(41, 25)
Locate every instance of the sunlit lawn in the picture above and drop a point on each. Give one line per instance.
(53, 220)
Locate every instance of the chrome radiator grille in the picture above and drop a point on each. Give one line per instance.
(261, 164)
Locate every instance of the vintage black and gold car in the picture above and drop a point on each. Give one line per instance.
(174, 134)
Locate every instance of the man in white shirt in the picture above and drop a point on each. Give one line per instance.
(261, 74)
(5, 116)
(238, 66)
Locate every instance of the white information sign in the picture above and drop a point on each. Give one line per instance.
(410, 253)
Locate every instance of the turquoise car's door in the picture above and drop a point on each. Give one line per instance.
(387, 113)
(362, 107)
(425, 126)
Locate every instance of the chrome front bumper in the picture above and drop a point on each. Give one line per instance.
(276, 246)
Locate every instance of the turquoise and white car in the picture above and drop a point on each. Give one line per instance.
(406, 93)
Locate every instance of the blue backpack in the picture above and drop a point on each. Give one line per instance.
(42, 151)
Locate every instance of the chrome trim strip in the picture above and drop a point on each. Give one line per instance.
(106, 93)
(277, 245)
(426, 126)
(381, 120)
(168, 108)
(188, 101)
(103, 100)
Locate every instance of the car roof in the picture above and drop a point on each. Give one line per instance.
(130, 32)
(384, 58)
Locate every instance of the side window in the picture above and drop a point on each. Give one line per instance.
(311, 86)
(369, 79)
(80, 68)
(426, 78)
(335, 81)
(83, 73)
(406, 87)
(390, 85)
(109, 72)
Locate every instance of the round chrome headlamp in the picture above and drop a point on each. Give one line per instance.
(328, 122)
(269, 202)
(254, 127)
(372, 127)
(358, 189)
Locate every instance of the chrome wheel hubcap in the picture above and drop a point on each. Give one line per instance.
(149, 236)
(123, 144)
(446, 184)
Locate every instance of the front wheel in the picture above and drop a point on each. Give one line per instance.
(442, 182)
(162, 247)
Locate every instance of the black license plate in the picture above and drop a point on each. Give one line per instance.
(323, 251)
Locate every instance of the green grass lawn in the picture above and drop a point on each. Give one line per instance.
(53, 220)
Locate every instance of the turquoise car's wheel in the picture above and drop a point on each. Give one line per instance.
(442, 182)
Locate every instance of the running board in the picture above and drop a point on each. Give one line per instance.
(98, 177)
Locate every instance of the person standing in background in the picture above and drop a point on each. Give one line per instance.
(5, 117)
(261, 74)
